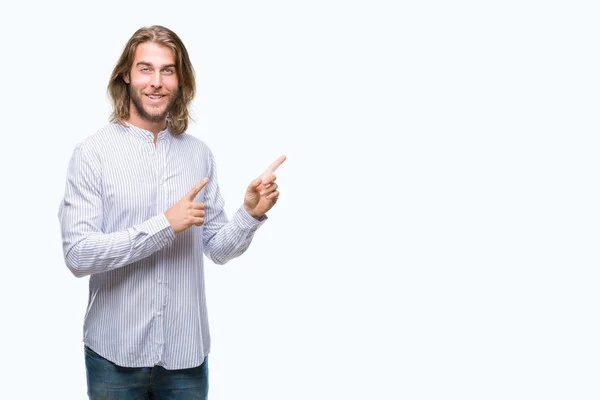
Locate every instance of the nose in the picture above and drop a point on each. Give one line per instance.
(156, 80)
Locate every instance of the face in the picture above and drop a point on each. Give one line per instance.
(153, 84)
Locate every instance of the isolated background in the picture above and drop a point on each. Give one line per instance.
(437, 233)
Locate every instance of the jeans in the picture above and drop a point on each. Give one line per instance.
(107, 380)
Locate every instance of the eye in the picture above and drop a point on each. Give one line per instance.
(168, 71)
(145, 69)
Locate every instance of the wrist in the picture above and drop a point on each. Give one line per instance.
(252, 214)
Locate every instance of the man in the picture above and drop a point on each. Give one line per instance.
(141, 205)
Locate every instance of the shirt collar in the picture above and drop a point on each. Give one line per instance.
(147, 135)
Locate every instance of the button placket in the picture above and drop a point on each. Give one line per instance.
(161, 149)
(155, 152)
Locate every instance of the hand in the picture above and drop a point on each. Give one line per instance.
(262, 194)
(185, 212)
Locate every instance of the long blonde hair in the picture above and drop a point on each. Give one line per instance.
(179, 114)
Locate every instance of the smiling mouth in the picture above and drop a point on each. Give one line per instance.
(155, 96)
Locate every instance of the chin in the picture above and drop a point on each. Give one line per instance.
(154, 113)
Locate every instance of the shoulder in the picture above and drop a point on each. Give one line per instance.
(103, 137)
(94, 148)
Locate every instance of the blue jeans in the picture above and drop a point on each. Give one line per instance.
(107, 380)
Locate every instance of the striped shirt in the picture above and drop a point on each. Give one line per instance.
(146, 301)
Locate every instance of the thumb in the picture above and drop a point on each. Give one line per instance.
(196, 189)
(254, 184)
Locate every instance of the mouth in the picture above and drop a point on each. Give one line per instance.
(155, 96)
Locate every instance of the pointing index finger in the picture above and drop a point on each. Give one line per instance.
(196, 189)
(275, 165)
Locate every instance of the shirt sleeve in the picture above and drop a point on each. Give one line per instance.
(225, 239)
(87, 249)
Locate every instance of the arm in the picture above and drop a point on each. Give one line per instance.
(224, 239)
(87, 249)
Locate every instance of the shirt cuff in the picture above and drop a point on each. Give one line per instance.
(246, 221)
(160, 230)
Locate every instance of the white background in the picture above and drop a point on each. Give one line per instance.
(437, 234)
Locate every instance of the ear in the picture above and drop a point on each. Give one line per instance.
(126, 78)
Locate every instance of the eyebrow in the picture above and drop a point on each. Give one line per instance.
(150, 65)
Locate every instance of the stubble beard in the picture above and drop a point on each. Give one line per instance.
(136, 99)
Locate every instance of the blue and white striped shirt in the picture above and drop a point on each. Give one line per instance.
(146, 302)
